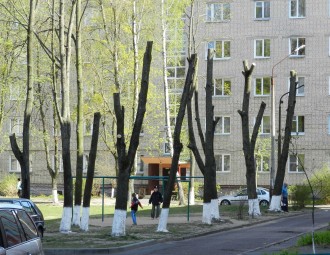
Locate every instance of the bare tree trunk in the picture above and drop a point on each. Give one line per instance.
(65, 119)
(90, 173)
(280, 174)
(126, 159)
(80, 121)
(168, 129)
(162, 225)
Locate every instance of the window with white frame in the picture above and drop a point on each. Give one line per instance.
(14, 165)
(262, 163)
(222, 87)
(262, 86)
(223, 125)
(295, 43)
(298, 125)
(140, 166)
(88, 126)
(222, 162)
(262, 10)
(85, 163)
(265, 125)
(167, 148)
(300, 90)
(216, 12)
(57, 163)
(16, 126)
(221, 49)
(296, 163)
(297, 8)
(262, 48)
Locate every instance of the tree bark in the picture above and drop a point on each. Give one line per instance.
(249, 145)
(126, 159)
(90, 172)
(177, 145)
(280, 174)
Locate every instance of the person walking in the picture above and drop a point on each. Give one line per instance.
(284, 200)
(135, 203)
(19, 187)
(156, 199)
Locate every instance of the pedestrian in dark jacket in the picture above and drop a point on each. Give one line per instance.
(135, 203)
(156, 199)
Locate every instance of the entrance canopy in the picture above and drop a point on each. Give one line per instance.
(164, 161)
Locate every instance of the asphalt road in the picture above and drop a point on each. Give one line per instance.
(259, 239)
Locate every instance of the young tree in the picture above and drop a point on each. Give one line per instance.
(275, 204)
(90, 173)
(126, 158)
(23, 156)
(177, 146)
(249, 145)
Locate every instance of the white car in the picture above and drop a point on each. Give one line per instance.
(241, 196)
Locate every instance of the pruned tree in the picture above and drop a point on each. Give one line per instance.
(177, 145)
(207, 167)
(275, 204)
(126, 157)
(249, 144)
(90, 173)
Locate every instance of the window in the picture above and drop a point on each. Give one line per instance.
(223, 126)
(14, 165)
(222, 87)
(296, 163)
(218, 12)
(297, 9)
(221, 49)
(167, 148)
(59, 164)
(262, 163)
(88, 127)
(262, 48)
(222, 162)
(10, 227)
(16, 127)
(27, 224)
(298, 125)
(262, 86)
(85, 163)
(265, 125)
(295, 43)
(262, 10)
(300, 90)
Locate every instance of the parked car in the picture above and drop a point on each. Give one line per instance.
(31, 208)
(18, 233)
(242, 196)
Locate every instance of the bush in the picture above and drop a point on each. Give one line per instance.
(8, 185)
(300, 195)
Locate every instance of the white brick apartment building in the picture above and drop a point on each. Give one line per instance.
(265, 33)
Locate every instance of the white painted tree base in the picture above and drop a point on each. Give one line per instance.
(84, 223)
(163, 219)
(254, 208)
(76, 215)
(275, 204)
(119, 222)
(55, 196)
(65, 225)
(211, 211)
(112, 193)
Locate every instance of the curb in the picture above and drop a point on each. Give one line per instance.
(88, 251)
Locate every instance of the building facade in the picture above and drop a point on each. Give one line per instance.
(267, 33)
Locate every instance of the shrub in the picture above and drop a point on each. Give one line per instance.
(300, 195)
(8, 185)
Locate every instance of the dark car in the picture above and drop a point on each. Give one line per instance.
(18, 233)
(31, 208)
